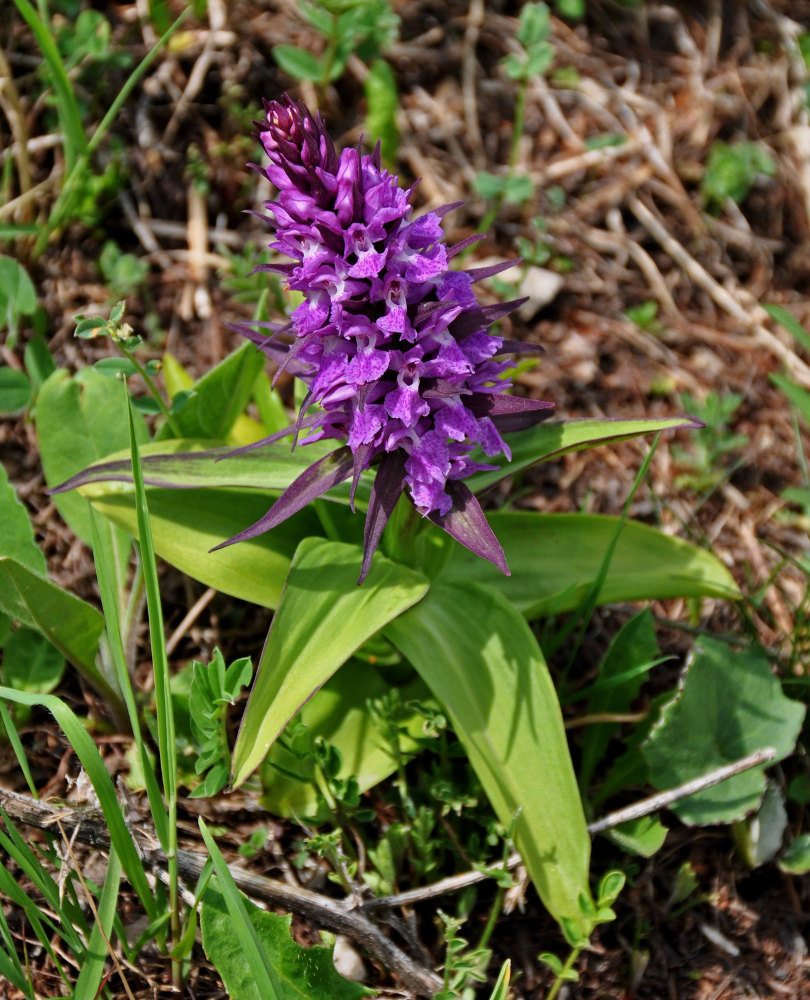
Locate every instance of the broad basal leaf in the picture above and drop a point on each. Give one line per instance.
(729, 704)
(555, 558)
(482, 662)
(322, 618)
(550, 440)
(80, 421)
(186, 525)
(70, 624)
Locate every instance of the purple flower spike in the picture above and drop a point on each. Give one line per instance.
(392, 344)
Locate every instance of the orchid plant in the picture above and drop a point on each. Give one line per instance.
(407, 414)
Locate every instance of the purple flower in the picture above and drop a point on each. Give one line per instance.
(393, 345)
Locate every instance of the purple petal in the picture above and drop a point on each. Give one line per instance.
(312, 483)
(467, 524)
(479, 273)
(385, 491)
(519, 347)
(510, 413)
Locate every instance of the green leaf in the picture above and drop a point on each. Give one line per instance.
(298, 63)
(301, 973)
(70, 118)
(555, 558)
(643, 836)
(15, 390)
(31, 663)
(79, 421)
(796, 859)
(634, 645)
(190, 463)
(17, 536)
(186, 525)
(550, 440)
(18, 296)
(87, 752)
(112, 367)
(39, 361)
(795, 394)
(482, 662)
(73, 626)
(728, 705)
(338, 713)
(382, 103)
(219, 397)
(789, 322)
(88, 985)
(322, 618)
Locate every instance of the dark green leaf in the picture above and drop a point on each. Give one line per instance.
(15, 390)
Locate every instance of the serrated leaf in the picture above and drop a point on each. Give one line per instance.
(302, 973)
(728, 705)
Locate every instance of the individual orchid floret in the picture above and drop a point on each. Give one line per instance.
(394, 346)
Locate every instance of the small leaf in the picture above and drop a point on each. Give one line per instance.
(789, 322)
(298, 63)
(31, 663)
(15, 390)
(115, 366)
(796, 859)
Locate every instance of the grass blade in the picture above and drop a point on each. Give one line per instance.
(255, 955)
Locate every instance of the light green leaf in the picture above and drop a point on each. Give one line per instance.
(187, 524)
(15, 390)
(73, 626)
(338, 714)
(550, 440)
(322, 618)
(88, 985)
(729, 704)
(79, 421)
(18, 296)
(482, 662)
(796, 859)
(218, 397)
(17, 536)
(300, 973)
(555, 558)
(644, 836)
(299, 63)
(382, 102)
(789, 322)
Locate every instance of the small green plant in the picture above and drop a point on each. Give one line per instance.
(731, 170)
(365, 27)
(123, 272)
(533, 34)
(599, 911)
(213, 688)
(706, 458)
(462, 965)
(645, 316)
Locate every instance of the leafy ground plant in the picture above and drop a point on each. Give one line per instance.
(394, 346)
(418, 741)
